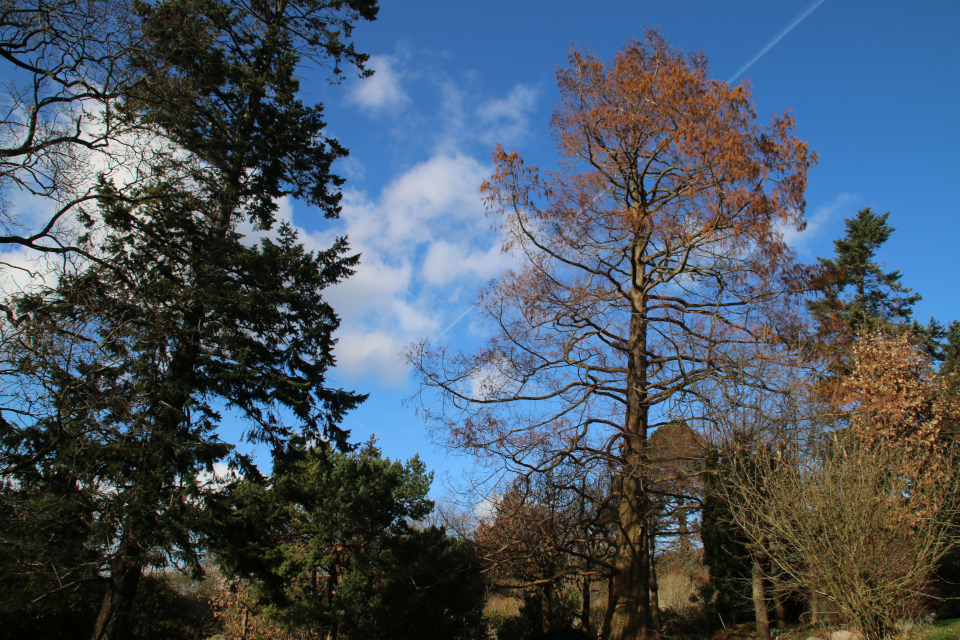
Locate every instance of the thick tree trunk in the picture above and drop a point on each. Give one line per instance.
(628, 617)
(758, 577)
(121, 589)
(630, 587)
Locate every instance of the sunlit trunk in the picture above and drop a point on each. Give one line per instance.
(628, 617)
(758, 578)
(629, 613)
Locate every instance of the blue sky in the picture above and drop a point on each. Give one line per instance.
(873, 86)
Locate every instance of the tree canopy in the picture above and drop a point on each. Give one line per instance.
(651, 265)
(332, 538)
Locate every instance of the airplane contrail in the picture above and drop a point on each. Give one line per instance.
(780, 36)
(452, 324)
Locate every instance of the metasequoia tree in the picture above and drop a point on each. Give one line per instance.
(651, 262)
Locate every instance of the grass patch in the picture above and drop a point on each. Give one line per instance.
(941, 630)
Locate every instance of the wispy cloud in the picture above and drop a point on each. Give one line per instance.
(383, 89)
(822, 216)
(505, 120)
(780, 36)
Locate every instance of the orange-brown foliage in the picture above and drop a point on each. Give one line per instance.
(652, 263)
(898, 400)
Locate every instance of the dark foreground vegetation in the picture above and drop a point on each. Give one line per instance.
(694, 436)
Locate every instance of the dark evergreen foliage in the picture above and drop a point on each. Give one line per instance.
(329, 538)
(859, 296)
(877, 299)
(724, 550)
(129, 358)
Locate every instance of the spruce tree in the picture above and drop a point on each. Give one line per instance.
(875, 298)
(859, 296)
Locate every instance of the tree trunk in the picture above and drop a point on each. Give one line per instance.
(629, 612)
(814, 607)
(332, 578)
(779, 610)
(121, 589)
(608, 613)
(546, 607)
(585, 605)
(760, 599)
(629, 609)
(654, 585)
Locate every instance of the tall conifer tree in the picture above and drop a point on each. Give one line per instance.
(130, 359)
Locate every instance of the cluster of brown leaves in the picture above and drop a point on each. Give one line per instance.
(899, 401)
(236, 609)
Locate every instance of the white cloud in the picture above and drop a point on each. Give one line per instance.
(425, 242)
(23, 270)
(822, 216)
(447, 262)
(506, 120)
(373, 352)
(369, 291)
(443, 191)
(383, 89)
(426, 247)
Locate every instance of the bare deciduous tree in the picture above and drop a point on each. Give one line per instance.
(66, 65)
(545, 533)
(651, 263)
